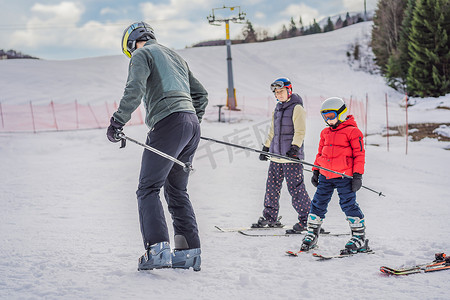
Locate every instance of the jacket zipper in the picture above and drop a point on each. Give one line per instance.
(360, 144)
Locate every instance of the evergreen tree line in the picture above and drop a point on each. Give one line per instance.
(13, 54)
(411, 43)
(293, 29)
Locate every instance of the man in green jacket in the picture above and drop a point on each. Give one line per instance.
(175, 102)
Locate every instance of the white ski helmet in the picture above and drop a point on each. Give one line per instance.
(334, 107)
(139, 31)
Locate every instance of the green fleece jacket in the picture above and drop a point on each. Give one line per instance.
(160, 78)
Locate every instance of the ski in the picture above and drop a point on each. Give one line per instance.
(236, 229)
(297, 253)
(327, 257)
(292, 233)
(294, 253)
(255, 226)
(441, 262)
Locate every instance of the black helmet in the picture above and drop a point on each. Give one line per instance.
(139, 31)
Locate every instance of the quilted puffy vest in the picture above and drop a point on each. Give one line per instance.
(283, 126)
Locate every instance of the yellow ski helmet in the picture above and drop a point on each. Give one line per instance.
(138, 31)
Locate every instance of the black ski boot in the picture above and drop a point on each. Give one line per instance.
(313, 227)
(263, 222)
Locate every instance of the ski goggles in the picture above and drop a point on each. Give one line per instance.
(329, 114)
(278, 85)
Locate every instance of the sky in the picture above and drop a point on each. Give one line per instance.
(60, 30)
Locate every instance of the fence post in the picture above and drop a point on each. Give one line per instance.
(365, 121)
(406, 110)
(54, 115)
(93, 114)
(76, 113)
(107, 109)
(387, 121)
(1, 114)
(32, 117)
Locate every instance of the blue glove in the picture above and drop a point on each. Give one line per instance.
(113, 130)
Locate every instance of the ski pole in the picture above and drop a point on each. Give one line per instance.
(288, 158)
(187, 167)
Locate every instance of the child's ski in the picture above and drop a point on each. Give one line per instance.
(236, 229)
(297, 253)
(291, 233)
(327, 257)
(441, 262)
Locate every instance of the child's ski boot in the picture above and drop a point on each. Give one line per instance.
(313, 227)
(358, 241)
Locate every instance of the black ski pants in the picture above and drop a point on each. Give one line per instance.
(178, 135)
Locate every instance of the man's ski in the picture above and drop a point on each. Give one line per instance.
(327, 257)
(441, 262)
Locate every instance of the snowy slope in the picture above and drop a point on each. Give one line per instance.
(68, 214)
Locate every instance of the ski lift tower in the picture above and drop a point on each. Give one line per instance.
(239, 18)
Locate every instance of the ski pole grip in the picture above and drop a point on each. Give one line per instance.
(120, 135)
(188, 167)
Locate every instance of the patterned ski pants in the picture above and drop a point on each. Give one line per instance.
(293, 173)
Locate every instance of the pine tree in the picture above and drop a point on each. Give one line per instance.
(386, 30)
(398, 63)
(249, 33)
(428, 74)
(301, 28)
(292, 28)
(329, 26)
(315, 28)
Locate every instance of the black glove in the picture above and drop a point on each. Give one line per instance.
(113, 130)
(293, 152)
(315, 178)
(356, 182)
(263, 156)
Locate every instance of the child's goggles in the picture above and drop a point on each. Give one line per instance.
(276, 85)
(329, 114)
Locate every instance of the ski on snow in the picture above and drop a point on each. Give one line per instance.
(297, 253)
(441, 262)
(288, 233)
(236, 229)
(327, 257)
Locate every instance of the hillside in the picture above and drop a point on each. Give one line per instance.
(69, 223)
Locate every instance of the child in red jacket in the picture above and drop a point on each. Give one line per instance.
(341, 149)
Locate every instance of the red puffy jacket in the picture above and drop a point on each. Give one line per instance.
(341, 149)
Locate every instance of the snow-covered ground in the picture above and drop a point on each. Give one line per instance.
(68, 213)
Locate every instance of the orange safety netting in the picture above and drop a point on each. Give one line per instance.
(56, 117)
(74, 116)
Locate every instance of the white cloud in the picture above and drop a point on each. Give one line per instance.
(109, 11)
(358, 5)
(296, 11)
(174, 25)
(48, 24)
(174, 9)
(260, 15)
